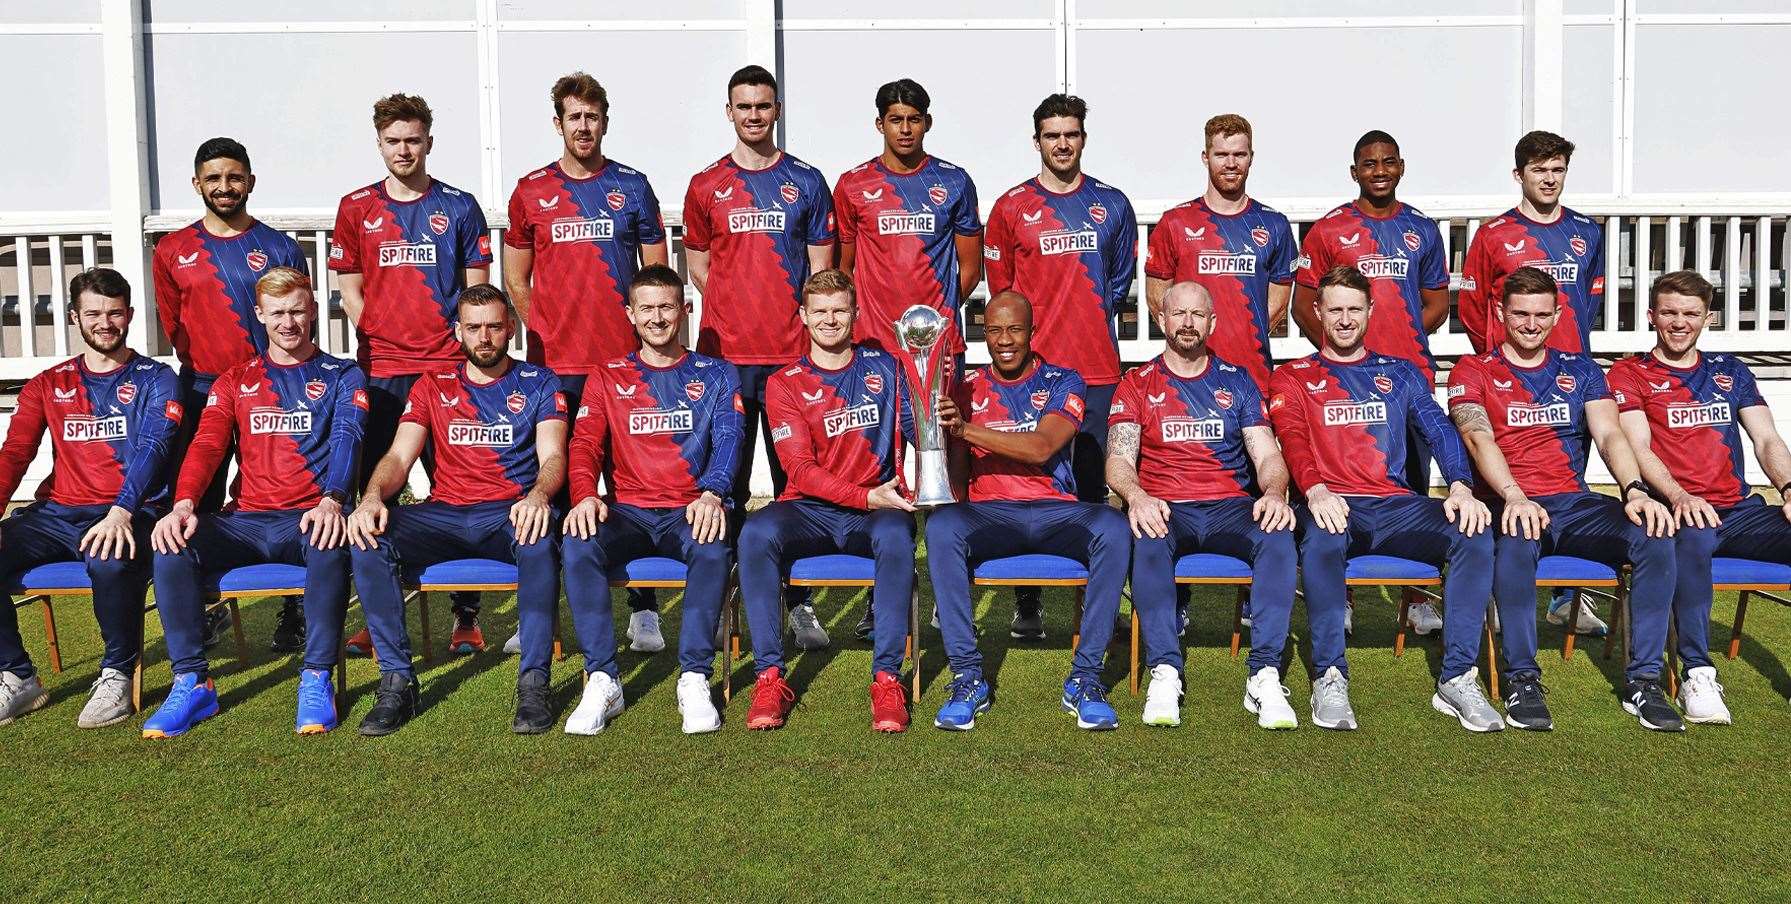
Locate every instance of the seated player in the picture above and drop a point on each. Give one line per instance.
(663, 427)
(1013, 420)
(498, 430)
(111, 414)
(1191, 453)
(835, 414)
(1683, 413)
(1342, 416)
(1525, 410)
(295, 416)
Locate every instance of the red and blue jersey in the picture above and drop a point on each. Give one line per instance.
(839, 433)
(1538, 415)
(1191, 429)
(1345, 424)
(109, 433)
(660, 436)
(1571, 249)
(412, 257)
(1694, 422)
(586, 235)
(483, 436)
(1018, 407)
(905, 228)
(297, 428)
(756, 226)
(1235, 257)
(1073, 255)
(1401, 255)
(205, 292)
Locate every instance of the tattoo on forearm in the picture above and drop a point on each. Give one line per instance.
(1471, 419)
(1122, 442)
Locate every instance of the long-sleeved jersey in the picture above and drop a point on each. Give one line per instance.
(659, 435)
(1236, 257)
(905, 227)
(1401, 254)
(205, 292)
(1345, 425)
(1191, 430)
(109, 433)
(1694, 424)
(839, 433)
(1538, 415)
(1571, 249)
(484, 436)
(1018, 407)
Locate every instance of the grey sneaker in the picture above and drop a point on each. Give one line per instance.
(1330, 702)
(110, 702)
(19, 696)
(807, 629)
(1462, 698)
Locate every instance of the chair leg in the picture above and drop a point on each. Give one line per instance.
(1405, 611)
(1134, 668)
(1619, 624)
(423, 618)
(1672, 658)
(1492, 652)
(730, 649)
(1735, 633)
(914, 643)
(50, 634)
(137, 678)
(236, 630)
(1076, 622)
(1573, 620)
(1237, 621)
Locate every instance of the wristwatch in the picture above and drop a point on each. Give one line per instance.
(1636, 485)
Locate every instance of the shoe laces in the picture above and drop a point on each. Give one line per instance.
(962, 688)
(1525, 691)
(1087, 690)
(888, 694)
(1476, 696)
(177, 694)
(314, 692)
(1703, 683)
(466, 619)
(1333, 691)
(772, 691)
(803, 617)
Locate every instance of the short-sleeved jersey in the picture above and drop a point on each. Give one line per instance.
(1073, 255)
(297, 427)
(904, 227)
(205, 292)
(483, 437)
(1694, 424)
(1345, 424)
(1236, 257)
(659, 435)
(1191, 429)
(587, 236)
(1571, 249)
(756, 226)
(1018, 407)
(1538, 415)
(1400, 254)
(839, 433)
(412, 257)
(109, 433)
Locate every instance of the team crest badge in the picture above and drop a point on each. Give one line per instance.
(1578, 245)
(616, 200)
(790, 193)
(873, 383)
(126, 393)
(1097, 213)
(515, 402)
(1223, 397)
(1566, 382)
(1260, 236)
(1412, 240)
(938, 194)
(1724, 382)
(1383, 383)
(1039, 399)
(438, 223)
(257, 260)
(314, 390)
(694, 389)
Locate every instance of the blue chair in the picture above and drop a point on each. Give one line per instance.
(255, 582)
(477, 575)
(1595, 578)
(660, 573)
(1416, 581)
(1041, 570)
(1749, 577)
(831, 570)
(1202, 568)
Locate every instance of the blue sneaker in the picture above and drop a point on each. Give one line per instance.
(1088, 700)
(189, 703)
(316, 702)
(966, 697)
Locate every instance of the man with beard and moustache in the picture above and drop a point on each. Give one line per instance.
(403, 249)
(498, 429)
(205, 278)
(111, 415)
(297, 416)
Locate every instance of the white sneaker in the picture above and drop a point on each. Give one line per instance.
(807, 629)
(513, 646)
(110, 702)
(1589, 622)
(19, 696)
(643, 632)
(1330, 701)
(1349, 620)
(696, 704)
(602, 702)
(1702, 697)
(1266, 697)
(1424, 619)
(1163, 702)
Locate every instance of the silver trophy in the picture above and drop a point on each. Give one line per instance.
(919, 330)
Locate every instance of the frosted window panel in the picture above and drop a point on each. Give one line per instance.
(1181, 9)
(172, 11)
(1709, 109)
(20, 13)
(62, 167)
(1587, 102)
(919, 9)
(583, 10)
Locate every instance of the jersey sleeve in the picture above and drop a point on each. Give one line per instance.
(1474, 303)
(650, 228)
(1251, 410)
(1127, 406)
(345, 240)
(1314, 259)
(146, 468)
(1122, 264)
(348, 426)
(291, 255)
(818, 227)
(474, 237)
(1595, 261)
(1433, 269)
(550, 402)
(795, 451)
(1289, 419)
(725, 427)
(1627, 385)
(1467, 384)
(167, 291)
(998, 248)
(845, 217)
(416, 405)
(23, 435)
(521, 234)
(696, 216)
(1747, 390)
(966, 220)
(211, 440)
(1593, 387)
(1284, 258)
(1159, 258)
(1445, 443)
(589, 431)
(1068, 398)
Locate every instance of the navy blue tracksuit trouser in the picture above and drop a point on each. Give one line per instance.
(1224, 527)
(1751, 529)
(46, 532)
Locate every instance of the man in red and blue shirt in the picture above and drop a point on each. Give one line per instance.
(662, 426)
(111, 414)
(1012, 421)
(296, 416)
(497, 427)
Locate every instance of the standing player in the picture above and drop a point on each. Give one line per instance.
(1192, 455)
(498, 428)
(663, 427)
(403, 249)
(757, 222)
(297, 415)
(838, 419)
(205, 298)
(1014, 419)
(1525, 411)
(1343, 416)
(1683, 413)
(110, 414)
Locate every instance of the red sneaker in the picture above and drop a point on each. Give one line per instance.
(467, 638)
(889, 703)
(771, 701)
(361, 644)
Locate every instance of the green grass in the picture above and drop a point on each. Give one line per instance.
(1026, 807)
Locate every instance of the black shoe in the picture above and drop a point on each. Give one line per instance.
(866, 625)
(394, 704)
(1524, 706)
(214, 627)
(1028, 623)
(534, 709)
(289, 632)
(1644, 699)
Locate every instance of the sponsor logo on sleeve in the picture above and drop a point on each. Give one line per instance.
(336, 252)
(173, 410)
(990, 252)
(780, 433)
(1073, 404)
(1277, 402)
(1457, 391)
(360, 399)
(559, 402)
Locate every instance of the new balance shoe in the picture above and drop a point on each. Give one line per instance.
(394, 703)
(889, 703)
(643, 632)
(1028, 623)
(316, 703)
(1462, 698)
(1088, 700)
(1163, 701)
(534, 703)
(966, 697)
(289, 631)
(1424, 619)
(772, 698)
(1644, 699)
(1524, 706)
(867, 625)
(513, 646)
(1330, 701)
(696, 704)
(1266, 698)
(361, 644)
(807, 630)
(602, 701)
(1702, 697)
(1589, 623)
(190, 701)
(19, 696)
(467, 638)
(110, 701)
